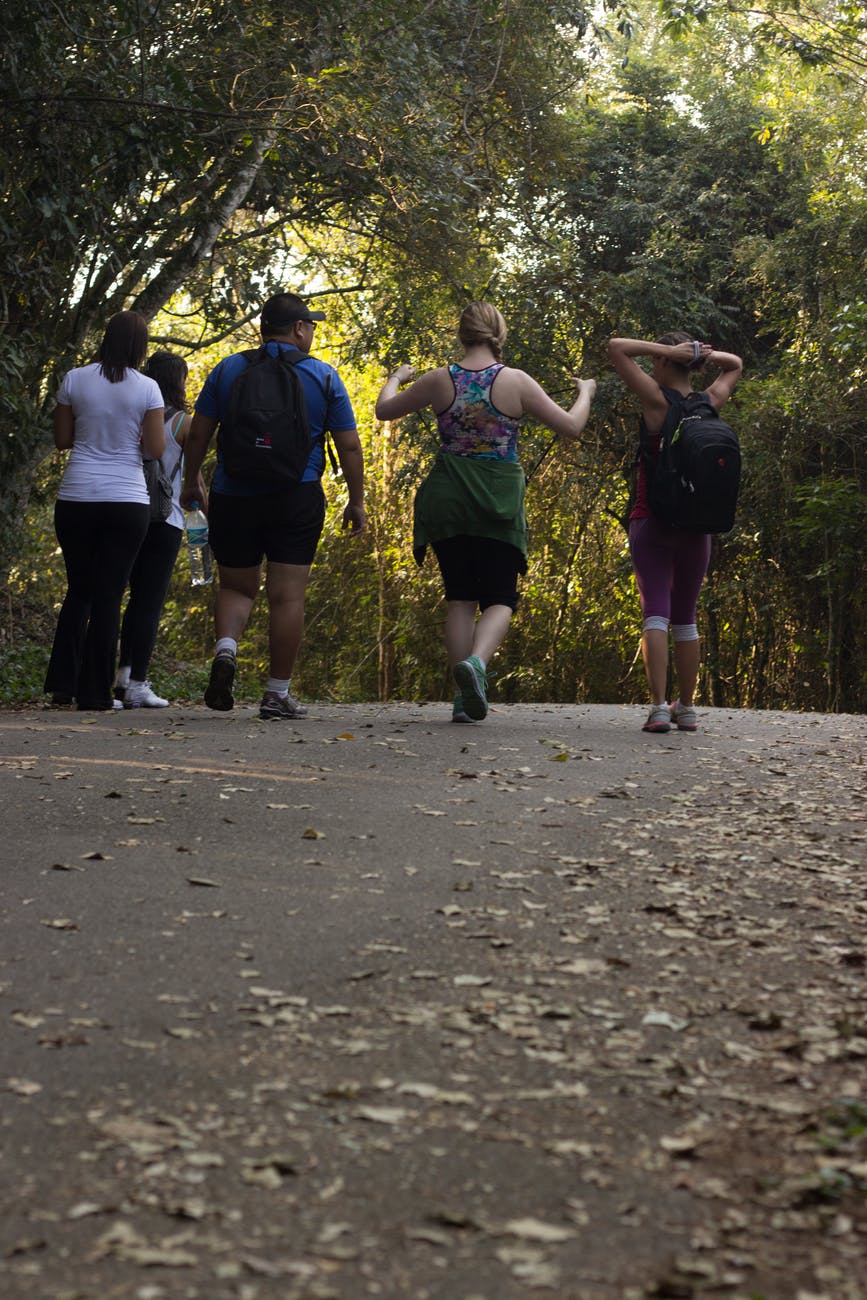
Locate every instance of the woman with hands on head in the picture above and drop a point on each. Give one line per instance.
(669, 564)
(470, 507)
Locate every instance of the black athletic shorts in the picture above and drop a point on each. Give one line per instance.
(479, 569)
(283, 526)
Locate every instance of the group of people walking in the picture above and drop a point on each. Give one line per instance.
(469, 510)
(110, 414)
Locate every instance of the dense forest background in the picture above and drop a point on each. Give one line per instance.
(620, 168)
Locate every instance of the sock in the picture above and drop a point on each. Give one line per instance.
(134, 682)
(123, 676)
(226, 643)
(480, 660)
(278, 686)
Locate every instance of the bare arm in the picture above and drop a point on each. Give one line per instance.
(153, 434)
(568, 424)
(723, 386)
(430, 389)
(64, 427)
(351, 457)
(622, 354)
(201, 431)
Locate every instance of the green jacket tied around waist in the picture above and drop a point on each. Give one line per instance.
(467, 495)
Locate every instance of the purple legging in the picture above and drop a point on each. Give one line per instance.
(669, 568)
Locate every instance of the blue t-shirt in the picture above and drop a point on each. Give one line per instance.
(213, 401)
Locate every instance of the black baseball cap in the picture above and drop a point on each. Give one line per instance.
(286, 308)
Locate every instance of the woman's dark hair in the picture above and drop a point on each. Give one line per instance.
(170, 372)
(671, 339)
(124, 345)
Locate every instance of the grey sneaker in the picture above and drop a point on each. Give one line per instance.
(281, 706)
(218, 692)
(472, 681)
(659, 718)
(683, 717)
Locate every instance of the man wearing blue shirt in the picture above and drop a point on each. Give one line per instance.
(248, 521)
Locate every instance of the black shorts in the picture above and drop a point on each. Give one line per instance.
(283, 526)
(480, 569)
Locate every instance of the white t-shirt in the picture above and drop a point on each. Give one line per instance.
(105, 461)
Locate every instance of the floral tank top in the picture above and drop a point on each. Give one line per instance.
(472, 425)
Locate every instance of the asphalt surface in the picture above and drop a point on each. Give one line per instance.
(371, 1004)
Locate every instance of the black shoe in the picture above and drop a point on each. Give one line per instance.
(218, 692)
(61, 700)
(280, 706)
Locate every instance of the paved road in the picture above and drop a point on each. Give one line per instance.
(374, 1005)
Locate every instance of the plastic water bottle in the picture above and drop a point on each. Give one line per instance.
(198, 550)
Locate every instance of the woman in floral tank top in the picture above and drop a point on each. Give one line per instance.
(470, 507)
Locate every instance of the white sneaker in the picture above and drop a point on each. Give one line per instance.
(139, 695)
(659, 718)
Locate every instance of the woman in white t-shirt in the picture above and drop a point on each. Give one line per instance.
(108, 415)
(152, 571)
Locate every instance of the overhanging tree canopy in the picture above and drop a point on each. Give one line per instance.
(150, 148)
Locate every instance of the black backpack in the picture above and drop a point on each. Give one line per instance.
(693, 481)
(264, 435)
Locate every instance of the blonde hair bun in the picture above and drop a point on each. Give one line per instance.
(482, 325)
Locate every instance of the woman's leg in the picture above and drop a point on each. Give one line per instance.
(465, 636)
(654, 652)
(459, 629)
(476, 571)
(148, 587)
(490, 631)
(687, 660)
(651, 547)
(496, 566)
(121, 530)
(691, 558)
(74, 525)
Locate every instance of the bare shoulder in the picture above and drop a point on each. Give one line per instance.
(518, 381)
(440, 387)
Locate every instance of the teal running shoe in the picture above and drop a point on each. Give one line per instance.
(472, 682)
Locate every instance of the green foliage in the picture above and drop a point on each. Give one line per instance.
(700, 169)
(152, 149)
(22, 672)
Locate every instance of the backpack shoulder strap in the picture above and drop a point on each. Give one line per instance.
(290, 355)
(672, 419)
(329, 447)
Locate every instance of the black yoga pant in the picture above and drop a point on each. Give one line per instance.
(148, 587)
(99, 540)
